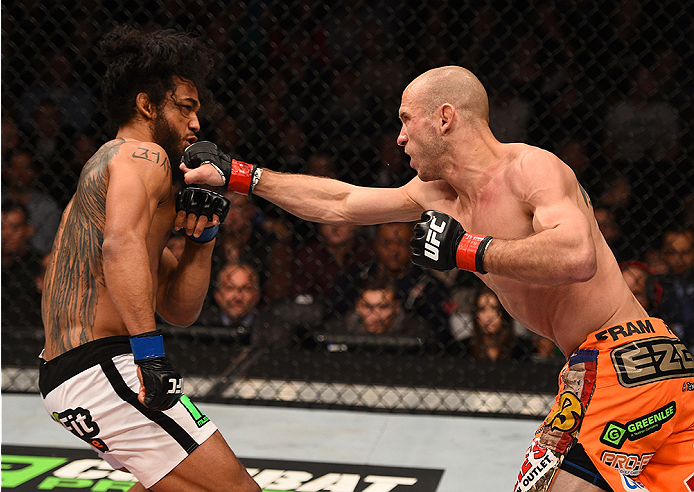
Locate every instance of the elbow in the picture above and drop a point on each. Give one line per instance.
(176, 318)
(583, 265)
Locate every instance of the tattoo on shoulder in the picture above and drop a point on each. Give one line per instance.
(154, 156)
(71, 295)
(586, 198)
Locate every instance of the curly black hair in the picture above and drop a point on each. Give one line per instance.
(139, 61)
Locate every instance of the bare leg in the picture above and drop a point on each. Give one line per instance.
(137, 488)
(213, 466)
(566, 482)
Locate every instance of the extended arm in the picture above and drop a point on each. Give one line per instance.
(313, 198)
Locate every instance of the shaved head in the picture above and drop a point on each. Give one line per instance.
(455, 86)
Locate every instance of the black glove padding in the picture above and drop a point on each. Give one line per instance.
(200, 201)
(205, 152)
(436, 240)
(163, 385)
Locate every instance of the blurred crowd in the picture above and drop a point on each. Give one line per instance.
(307, 87)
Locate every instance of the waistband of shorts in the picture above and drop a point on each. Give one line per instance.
(636, 329)
(56, 371)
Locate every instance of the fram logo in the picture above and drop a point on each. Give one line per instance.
(431, 244)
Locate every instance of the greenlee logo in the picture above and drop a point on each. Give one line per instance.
(616, 433)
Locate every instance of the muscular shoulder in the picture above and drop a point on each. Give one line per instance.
(532, 171)
(145, 161)
(428, 194)
(148, 156)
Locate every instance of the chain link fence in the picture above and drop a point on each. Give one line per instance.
(314, 87)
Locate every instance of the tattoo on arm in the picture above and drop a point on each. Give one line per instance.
(152, 156)
(586, 198)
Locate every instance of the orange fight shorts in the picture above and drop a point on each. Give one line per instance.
(624, 415)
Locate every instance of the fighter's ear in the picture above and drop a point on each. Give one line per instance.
(144, 105)
(446, 114)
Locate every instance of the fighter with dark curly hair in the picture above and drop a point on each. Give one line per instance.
(104, 375)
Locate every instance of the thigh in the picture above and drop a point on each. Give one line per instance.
(213, 466)
(566, 482)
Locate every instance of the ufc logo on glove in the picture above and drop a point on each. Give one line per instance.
(431, 246)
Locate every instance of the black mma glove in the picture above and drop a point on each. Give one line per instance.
(239, 177)
(199, 201)
(441, 243)
(163, 385)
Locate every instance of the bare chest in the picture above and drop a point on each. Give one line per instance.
(495, 213)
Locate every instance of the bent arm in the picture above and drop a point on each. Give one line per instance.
(131, 201)
(562, 249)
(183, 284)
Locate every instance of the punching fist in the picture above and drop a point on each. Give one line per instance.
(237, 176)
(201, 202)
(441, 243)
(163, 386)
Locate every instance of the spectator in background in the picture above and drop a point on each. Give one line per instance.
(493, 337)
(327, 269)
(394, 167)
(19, 182)
(320, 165)
(677, 307)
(67, 95)
(248, 236)
(643, 283)
(10, 139)
(642, 125)
(82, 147)
(236, 294)
(48, 134)
(509, 112)
(422, 294)
(611, 229)
(377, 318)
(21, 265)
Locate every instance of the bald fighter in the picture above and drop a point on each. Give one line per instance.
(517, 217)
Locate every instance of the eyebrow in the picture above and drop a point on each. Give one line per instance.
(192, 101)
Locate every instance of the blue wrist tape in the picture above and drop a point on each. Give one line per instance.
(147, 347)
(207, 235)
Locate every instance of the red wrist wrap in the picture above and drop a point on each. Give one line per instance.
(240, 177)
(467, 251)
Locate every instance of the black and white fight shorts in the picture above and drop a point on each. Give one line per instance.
(92, 392)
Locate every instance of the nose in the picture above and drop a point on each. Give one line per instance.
(194, 124)
(402, 137)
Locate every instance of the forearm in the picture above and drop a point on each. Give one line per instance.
(184, 290)
(312, 198)
(547, 258)
(129, 282)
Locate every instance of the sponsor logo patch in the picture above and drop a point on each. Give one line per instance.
(79, 422)
(619, 331)
(630, 465)
(654, 359)
(615, 433)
